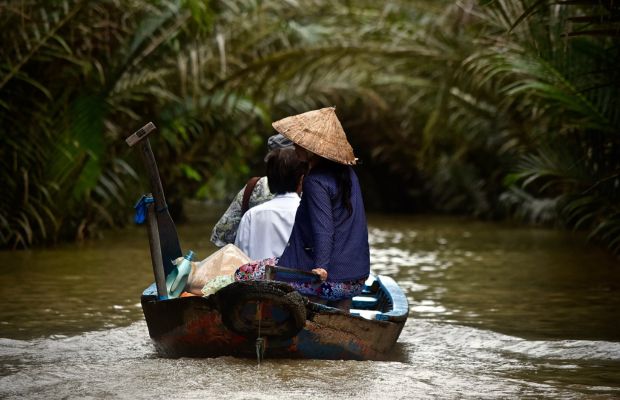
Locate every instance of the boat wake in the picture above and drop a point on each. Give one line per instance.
(431, 360)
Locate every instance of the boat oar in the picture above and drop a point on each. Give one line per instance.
(155, 247)
(291, 274)
(168, 237)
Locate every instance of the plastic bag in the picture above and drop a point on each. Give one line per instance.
(223, 262)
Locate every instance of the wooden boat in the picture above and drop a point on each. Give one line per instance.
(258, 318)
(195, 327)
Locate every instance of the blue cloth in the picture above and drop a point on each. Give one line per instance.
(324, 235)
(141, 207)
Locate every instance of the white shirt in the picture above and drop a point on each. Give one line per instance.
(265, 229)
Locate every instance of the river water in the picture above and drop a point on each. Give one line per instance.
(496, 311)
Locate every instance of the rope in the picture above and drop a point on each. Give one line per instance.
(260, 342)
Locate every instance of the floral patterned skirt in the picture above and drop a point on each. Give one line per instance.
(255, 270)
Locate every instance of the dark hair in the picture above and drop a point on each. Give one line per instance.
(343, 180)
(284, 170)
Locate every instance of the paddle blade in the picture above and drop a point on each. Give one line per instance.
(169, 240)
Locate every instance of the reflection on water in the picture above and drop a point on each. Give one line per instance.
(496, 312)
(532, 283)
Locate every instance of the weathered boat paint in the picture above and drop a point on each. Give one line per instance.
(193, 327)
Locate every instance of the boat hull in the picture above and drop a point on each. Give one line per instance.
(193, 327)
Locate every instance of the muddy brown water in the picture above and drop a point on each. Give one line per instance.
(496, 311)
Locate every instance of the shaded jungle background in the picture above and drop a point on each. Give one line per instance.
(495, 109)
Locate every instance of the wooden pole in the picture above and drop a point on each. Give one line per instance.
(156, 258)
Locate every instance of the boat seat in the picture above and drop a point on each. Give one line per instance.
(364, 302)
(367, 314)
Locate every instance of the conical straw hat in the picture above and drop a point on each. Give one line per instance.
(320, 132)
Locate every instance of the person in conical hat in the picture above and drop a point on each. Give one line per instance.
(330, 235)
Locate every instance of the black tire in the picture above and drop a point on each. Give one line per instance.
(235, 298)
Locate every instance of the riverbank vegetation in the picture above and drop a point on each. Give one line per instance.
(497, 109)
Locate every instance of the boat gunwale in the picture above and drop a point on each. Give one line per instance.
(398, 304)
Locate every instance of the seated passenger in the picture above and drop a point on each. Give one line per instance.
(264, 229)
(330, 236)
(225, 230)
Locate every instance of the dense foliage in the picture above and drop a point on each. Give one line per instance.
(496, 109)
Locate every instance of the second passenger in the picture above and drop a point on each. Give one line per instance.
(265, 229)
